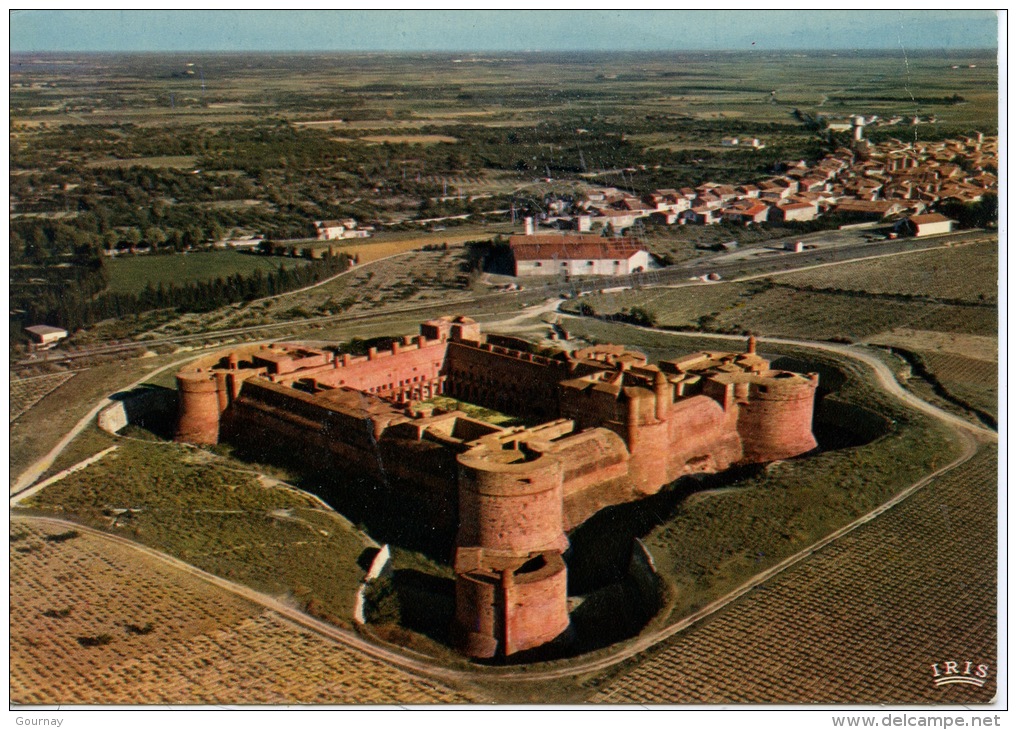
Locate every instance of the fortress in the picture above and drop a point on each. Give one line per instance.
(614, 429)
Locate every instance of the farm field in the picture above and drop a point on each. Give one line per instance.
(978, 347)
(712, 86)
(410, 139)
(842, 627)
(166, 161)
(184, 502)
(131, 274)
(95, 622)
(386, 244)
(967, 380)
(968, 273)
(26, 392)
(773, 309)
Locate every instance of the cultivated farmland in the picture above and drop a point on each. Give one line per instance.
(769, 308)
(860, 622)
(95, 622)
(964, 273)
(965, 381)
(131, 274)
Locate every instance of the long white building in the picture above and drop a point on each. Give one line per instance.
(551, 255)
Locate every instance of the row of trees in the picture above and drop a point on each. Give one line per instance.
(74, 307)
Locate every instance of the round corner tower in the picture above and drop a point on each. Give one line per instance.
(511, 582)
(511, 500)
(198, 417)
(775, 420)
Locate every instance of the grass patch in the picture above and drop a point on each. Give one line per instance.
(487, 415)
(130, 274)
(185, 503)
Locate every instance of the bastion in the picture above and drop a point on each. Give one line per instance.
(614, 429)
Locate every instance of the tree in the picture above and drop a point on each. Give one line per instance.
(130, 238)
(643, 317)
(154, 236)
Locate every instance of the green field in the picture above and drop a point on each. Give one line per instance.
(130, 274)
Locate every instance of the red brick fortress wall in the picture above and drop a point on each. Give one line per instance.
(616, 429)
(506, 606)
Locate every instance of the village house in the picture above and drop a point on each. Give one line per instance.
(793, 212)
(870, 210)
(338, 229)
(930, 224)
(756, 213)
(702, 216)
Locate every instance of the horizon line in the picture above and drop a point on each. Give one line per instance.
(886, 49)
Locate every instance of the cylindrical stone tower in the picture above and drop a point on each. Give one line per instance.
(505, 606)
(198, 419)
(775, 422)
(511, 501)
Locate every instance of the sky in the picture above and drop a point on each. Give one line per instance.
(496, 30)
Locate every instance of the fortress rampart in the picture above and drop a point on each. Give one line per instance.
(616, 428)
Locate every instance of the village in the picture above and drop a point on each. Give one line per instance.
(871, 182)
(892, 184)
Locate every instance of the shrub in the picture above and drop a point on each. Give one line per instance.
(381, 602)
(97, 640)
(63, 536)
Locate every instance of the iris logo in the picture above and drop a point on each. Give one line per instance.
(944, 673)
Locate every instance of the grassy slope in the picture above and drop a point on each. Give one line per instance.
(220, 519)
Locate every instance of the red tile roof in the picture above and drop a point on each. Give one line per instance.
(542, 248)
(921, 220)
(796, 206)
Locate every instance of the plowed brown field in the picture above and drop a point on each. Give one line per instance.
(93, 622)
